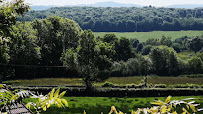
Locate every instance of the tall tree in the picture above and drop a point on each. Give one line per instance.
(123, 50)
(164, 61)
(195, 43)
(23, 45)
(55, 35)
(90, 59)
(195, 65)
(8, 14)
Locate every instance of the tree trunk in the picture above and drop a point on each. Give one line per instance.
(88, 85)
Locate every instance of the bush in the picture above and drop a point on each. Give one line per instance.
(193, 75)
(186, 86)
(146, 50)
(131, 86)
(160, 86)
(107, 84)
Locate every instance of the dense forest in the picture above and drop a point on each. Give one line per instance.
(58, 47)
(107, 19)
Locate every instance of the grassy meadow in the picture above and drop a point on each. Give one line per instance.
(143, 36)
(115, 80)
(96, 105)
(185, 55)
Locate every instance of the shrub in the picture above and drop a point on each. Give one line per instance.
(131, 86)
(185, 86)
(146, 50)
(160, 86)
(107, 84)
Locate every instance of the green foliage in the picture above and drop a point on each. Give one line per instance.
(9, 12)
(134, 42)
(195, 43)
(195, 65)
(164, 61)
(110, 38)
(6, 97)
(4, 57)
(126, 19)
(96, 105)
(123, 50)
(107, 84)
(9, 98)
(89, 58)
(160, 85)
(173, 107)
(166, 41)
(146, 50)
(55, 35)
(44, 102)
(192, 75)
(185, 86)
(23, 44)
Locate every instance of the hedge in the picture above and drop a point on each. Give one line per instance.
(118, 92)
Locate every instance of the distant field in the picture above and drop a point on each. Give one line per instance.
(185, 55)
(116, 80)
(143, 36)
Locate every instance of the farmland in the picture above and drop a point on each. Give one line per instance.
(115, 80)
(143, 36)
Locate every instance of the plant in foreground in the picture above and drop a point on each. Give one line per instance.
(167, 107)
(44, 102)
(8, 98)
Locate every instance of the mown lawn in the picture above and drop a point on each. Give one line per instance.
(96, 105)
(115, 80)
(143, 36)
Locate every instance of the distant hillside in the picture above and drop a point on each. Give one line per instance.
(99, 4)
(110, 4)
(187, 6)
(125, 19)
(37, 8)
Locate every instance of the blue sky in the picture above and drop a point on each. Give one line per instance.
(139, 2)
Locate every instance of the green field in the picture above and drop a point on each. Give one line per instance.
(185, 55)
(115, 80)
(143, 36)
(96, 105)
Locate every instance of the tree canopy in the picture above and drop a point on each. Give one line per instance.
(107, 19)
(90, 59)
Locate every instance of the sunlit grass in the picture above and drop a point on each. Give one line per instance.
(47, 81)
(143, 36)
(96, 105)
(115, 80)
(185, 55)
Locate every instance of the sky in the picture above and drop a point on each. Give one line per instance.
(157, 3)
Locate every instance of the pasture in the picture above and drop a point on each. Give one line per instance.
(143, 36)
(115, 80)
(185, 55)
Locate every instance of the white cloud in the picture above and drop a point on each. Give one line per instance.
(139, 2)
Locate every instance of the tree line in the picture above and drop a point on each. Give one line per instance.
(125, 19)
(58, 47)
(57, 41)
